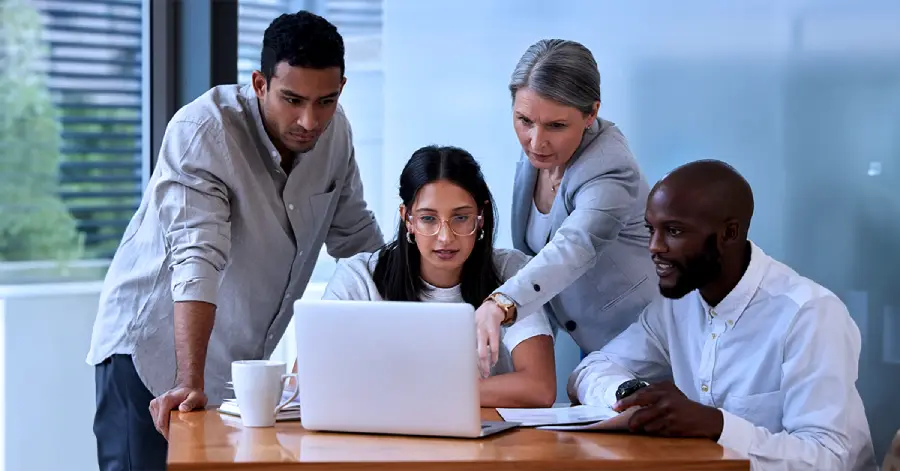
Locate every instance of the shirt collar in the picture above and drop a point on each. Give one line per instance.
(735, 303)
(441, 294)
(250, 94)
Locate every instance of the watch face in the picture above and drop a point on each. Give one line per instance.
(502, 299)
(629, 387)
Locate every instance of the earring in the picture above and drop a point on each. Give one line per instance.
(409, 238)
(481, 235)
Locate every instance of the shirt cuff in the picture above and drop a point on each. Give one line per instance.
(737, 433)
(195, 280)
(523, 296)
(599, 391)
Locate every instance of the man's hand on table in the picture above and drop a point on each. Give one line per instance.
(182, 398)
(665, 410)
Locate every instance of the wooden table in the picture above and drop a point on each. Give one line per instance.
(207, 440)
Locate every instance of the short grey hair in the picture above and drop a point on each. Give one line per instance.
(561, 70)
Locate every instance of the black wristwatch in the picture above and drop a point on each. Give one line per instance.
(630, 387)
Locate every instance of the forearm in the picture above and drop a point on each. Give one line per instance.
(807, 450)
(553, 269)
(193, 326)
(517, 389)
(637, 352)
(595, 381)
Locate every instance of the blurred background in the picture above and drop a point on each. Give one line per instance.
(802, 96)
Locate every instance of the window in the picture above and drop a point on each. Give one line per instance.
(70, 88)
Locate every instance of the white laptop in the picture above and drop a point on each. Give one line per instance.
(389, 367)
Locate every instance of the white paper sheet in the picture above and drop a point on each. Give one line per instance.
(556, 415)
(616, 422)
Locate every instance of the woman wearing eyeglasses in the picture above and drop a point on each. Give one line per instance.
(444, 252)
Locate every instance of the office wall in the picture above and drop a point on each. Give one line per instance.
(48, 389)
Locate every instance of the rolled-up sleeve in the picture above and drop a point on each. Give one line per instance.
(193, 208)
(602, 206)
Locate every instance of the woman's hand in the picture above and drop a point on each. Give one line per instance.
(487, 331)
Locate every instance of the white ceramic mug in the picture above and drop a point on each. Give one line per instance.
(258, 386)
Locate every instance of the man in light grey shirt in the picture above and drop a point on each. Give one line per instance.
(251, 182)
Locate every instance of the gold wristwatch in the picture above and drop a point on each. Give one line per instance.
(508, 306)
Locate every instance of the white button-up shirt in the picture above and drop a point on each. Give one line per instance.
(778, 356)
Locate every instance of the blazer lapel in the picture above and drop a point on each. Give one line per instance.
(523, 194)
(558, 213)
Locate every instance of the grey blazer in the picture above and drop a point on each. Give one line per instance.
(595, 272)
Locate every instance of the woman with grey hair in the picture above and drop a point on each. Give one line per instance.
(578, 207)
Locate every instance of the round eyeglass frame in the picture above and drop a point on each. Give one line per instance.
(478, 221)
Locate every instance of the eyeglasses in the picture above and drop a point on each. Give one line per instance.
(430, 225)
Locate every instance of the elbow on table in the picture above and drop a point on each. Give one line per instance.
(545, 399)
(543, 395)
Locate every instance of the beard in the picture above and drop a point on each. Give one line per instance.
(696, 272)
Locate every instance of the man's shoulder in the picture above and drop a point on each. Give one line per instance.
(218, 109)
(802, 303)
(782, 281)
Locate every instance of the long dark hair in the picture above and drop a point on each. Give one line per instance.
(397, 274)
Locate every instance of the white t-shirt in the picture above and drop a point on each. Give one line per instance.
(352, 280)
(537, 231)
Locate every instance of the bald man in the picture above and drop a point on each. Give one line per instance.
(764, 361)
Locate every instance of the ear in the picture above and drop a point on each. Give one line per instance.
(404, 218)
(589, 119)
(731, 233)
(487, 206)
(259, 84)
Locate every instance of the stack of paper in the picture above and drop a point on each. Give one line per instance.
(569, 418)
(289, 412)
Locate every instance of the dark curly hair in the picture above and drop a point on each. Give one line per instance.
(302, 39)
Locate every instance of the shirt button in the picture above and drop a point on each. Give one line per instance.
(537, 287)
(714, 336)
(704, 388)
(291, 207)
(730, 322)
(571, 325)
(712, 313)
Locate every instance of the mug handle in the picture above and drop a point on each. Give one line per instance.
(293, 396)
